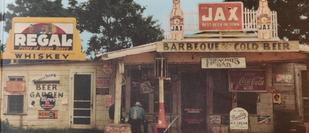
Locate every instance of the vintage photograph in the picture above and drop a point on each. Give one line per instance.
(154, 66)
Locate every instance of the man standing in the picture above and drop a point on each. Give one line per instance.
(136, 117)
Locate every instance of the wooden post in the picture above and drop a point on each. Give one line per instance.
(128, 92)
(118, 86)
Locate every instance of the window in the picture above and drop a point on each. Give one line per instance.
(247, 101)
(15, 104)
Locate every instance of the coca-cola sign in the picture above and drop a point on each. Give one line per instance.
(247, 81)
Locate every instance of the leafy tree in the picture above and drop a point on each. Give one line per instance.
(116, 24)
(292, 17)
(35, 8)
(1, 17)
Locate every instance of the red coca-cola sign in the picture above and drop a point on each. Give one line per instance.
(247, 81)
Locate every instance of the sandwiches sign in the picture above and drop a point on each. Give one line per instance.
(43, 38)
(221, 16)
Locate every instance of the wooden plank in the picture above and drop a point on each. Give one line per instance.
(118, 86)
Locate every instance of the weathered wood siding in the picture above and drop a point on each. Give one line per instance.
(64, 73)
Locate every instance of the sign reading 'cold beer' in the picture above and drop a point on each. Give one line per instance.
(221, 16)
(202, 46)
(43, 38)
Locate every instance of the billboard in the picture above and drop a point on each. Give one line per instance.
(226, 16)
(44, 38)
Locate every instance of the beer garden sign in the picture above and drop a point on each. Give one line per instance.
(44, 38)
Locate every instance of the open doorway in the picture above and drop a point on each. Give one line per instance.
(194, 111)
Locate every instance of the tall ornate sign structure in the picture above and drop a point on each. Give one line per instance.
(264, 20)
(176, 21)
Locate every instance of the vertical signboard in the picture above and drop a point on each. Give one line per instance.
(221, 16)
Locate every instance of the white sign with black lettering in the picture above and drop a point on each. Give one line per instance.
(223, 63)
(239, 119)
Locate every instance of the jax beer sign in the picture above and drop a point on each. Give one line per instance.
(221, 16)
(43, 38)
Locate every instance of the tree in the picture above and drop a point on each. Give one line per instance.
(35, 8)
(116, 24)
(292, 17)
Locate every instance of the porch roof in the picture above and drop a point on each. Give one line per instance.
(153, 47)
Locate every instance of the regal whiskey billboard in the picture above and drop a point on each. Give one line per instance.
(42, 38)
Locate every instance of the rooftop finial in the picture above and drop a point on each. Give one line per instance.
(176, 21)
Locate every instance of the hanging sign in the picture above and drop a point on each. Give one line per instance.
(43, 38)
(239, 119)
(223, 63)
(221, 16)
(277, 98)
(247, 81)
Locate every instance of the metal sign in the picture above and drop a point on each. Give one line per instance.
(221, 16)
(247, 81)
(223, 63)
(43, 38)
(239, 119)
(15, 86)
(50, 114)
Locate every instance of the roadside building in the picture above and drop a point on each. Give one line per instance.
(234, 75)
(46, 81)
(192, 83)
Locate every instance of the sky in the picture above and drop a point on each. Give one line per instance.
(159, 9)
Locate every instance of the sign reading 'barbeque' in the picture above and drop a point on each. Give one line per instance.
(247, 81)
(200, 46)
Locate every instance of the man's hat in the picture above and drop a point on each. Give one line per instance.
(138, 104)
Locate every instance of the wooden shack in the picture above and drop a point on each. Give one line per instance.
(61, 95)
(190, 83)
(186, 83)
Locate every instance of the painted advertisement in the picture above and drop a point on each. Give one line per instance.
(208, 46)
(247, 81)
(45, 92)
(239, 119)
(43, 36)
(221, 16)
(38, 38)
